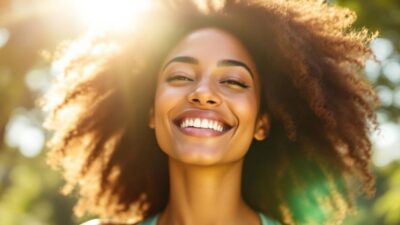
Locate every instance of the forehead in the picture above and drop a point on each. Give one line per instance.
(210, 44)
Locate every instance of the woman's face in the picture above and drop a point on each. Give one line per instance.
(207, 100)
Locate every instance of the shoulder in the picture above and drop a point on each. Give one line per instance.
(100, 222)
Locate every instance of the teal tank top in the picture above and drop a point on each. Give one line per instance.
(264, 220)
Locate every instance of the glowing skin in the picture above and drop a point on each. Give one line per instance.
(205, 117)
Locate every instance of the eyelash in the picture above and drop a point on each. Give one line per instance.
(235, 82)
(229, 81)
(178, 78)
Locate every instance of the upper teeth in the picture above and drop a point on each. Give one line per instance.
(202, 123)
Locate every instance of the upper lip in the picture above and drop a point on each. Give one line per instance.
(202, 114)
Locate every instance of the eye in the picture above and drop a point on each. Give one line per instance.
(235, 83)
(179, 78)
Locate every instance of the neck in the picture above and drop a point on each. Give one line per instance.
(206, 195)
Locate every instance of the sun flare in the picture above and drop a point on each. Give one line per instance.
(110, 15)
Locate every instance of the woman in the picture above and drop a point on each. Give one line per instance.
(235, 112)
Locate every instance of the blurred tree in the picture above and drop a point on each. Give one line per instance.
(384, 16)
(388, 205)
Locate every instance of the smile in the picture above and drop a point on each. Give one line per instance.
(201, 123)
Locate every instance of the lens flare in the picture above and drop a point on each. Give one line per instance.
(111, 15)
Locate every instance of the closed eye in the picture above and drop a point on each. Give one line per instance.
(178, 78)
(235, 83)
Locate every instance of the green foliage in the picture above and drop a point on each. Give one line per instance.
(29, 193)
(388, 205)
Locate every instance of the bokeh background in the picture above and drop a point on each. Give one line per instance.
(31, 30)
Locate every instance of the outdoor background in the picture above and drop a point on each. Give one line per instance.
(30, 30)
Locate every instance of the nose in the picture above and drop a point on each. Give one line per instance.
(203, 95)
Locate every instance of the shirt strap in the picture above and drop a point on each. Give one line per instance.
(267, 221)
(151, 220)
(264, 220)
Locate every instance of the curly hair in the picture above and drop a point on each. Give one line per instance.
(321, 108)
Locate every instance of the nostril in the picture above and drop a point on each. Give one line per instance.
(205, 101)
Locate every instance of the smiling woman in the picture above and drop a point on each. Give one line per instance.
(218, 112)
(207, 82)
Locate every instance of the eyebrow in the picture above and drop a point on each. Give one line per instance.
(183, 59)
(231, 62)
(224, 62)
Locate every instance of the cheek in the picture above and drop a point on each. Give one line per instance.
(245, 107)
(167, 98)
(246, 110)
(161, 108)
(162, 104)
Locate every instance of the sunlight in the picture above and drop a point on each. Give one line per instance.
(110, 15)
(387, 142)
(23, 134)
(4, 36)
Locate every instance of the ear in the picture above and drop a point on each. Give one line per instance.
(151, 118)
(262, 127)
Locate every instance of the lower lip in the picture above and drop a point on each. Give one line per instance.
(200, 132)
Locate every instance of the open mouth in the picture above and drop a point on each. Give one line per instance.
(202, 126)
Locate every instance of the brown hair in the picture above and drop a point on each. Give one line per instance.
(321, 109)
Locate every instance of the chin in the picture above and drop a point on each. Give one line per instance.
(202, 156)
(198, 156)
